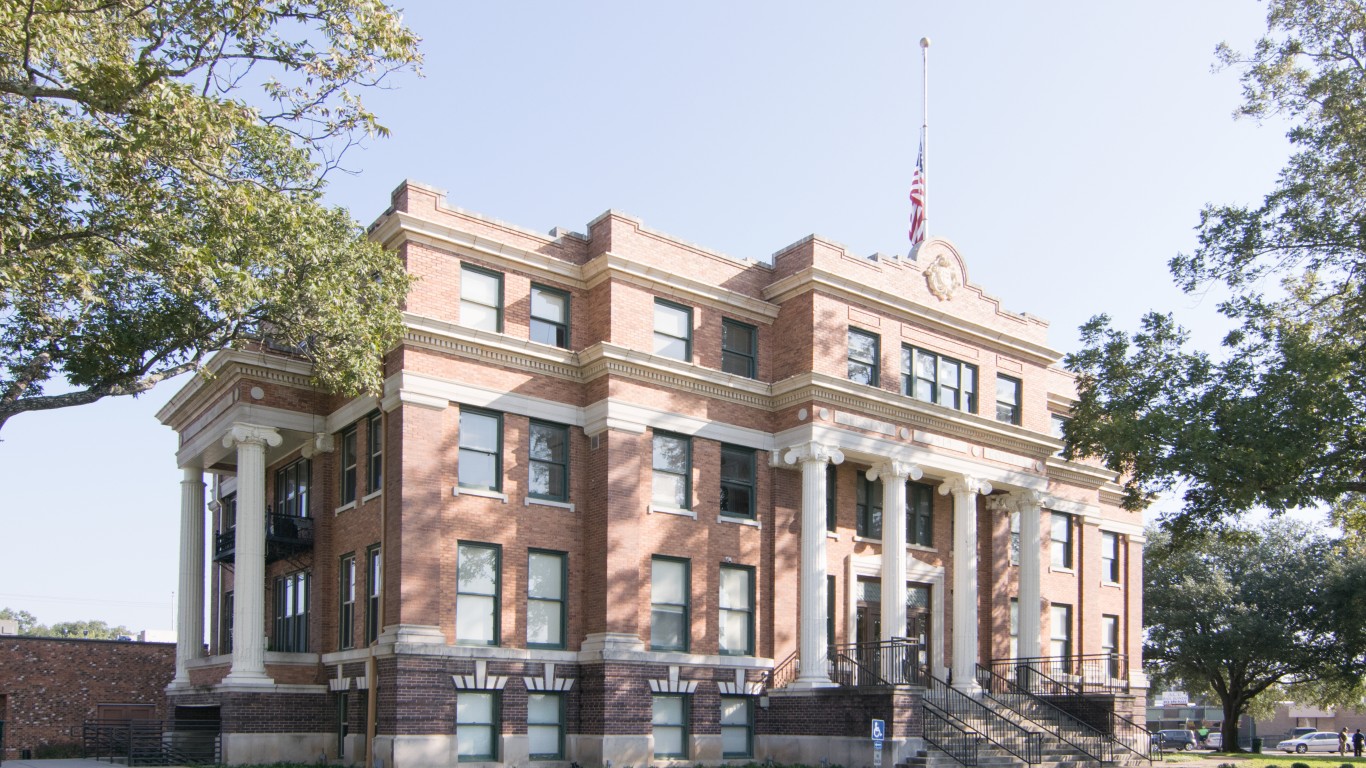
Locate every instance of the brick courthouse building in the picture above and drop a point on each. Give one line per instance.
(626, 499)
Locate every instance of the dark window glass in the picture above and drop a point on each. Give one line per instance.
(1062, 549)
(346, 621)
(291, 489)
(739, 348)
(934, 378)
(549, 465)
(549, 316)
(863, 357)
(920, 514)
(1007, 399)
(291, 612)
(737, 481)
(831, 495)
(347, 458)
(373, 584)
(374, 477)
(869, 507)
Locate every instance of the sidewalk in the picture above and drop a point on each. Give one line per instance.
(75, 762)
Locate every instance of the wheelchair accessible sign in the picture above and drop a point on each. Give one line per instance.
(879, 734)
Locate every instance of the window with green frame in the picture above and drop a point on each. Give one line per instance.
(374, 475)
(476, 725)
(831, 497)
(920, 514)
(549, 316)
(739, 348)
(346, 621)
(1007, 399)
(934, 378)
(673, 330)
(868, 506)
(864, 357)
(737, 481)
(481, 449)
(737, 727)
(736, 608)
(348, 461)
(548, 465)
(545, 599)
(545, 725)
(671, 471)
(669, 590)
(481, 298)
(669, 724)
(477, 593)
(374, 570)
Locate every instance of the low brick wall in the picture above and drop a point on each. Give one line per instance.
(49, 687)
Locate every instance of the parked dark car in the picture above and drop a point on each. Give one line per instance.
(1175, 738)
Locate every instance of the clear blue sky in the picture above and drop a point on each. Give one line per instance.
(1072, 147)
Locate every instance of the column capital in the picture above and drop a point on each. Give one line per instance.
(241, 432)
(964, 484)
(895, 469)
(813, 452)
(322, 442)
(1024, 500)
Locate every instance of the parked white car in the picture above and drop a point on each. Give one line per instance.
(1318, 741)
(1215, 740)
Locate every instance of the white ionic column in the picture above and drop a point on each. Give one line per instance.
(965, 490)
(189, 640)
(249, 556)
(894, 475)
(1029, 504)
(811, 642)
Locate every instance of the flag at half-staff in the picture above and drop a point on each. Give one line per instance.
(918, 199)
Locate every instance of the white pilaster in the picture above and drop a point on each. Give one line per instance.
(894, 475)
(189, 641)
(811, 642)
(963, 667)
(249, 556)
(1029, 504)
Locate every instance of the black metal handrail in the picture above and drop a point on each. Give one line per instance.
(1085, 673)
(999, 730)
(948, 736)
(783, 673)
(1132, 736)
(145, 742)
(854, 665)
(1057, 722)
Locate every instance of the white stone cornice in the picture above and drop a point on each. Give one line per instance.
(399, 227)
(964, 484)
(813, 452)
(611, 266)
(1022, 500)
(240, 433)
(894, 469)
(222, 372)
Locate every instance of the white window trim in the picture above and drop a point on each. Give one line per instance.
(661, 509)
(372, 495)
(740, 521)
(458, 491)
(347, 506)
(528, 501)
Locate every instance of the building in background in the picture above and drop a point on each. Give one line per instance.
(626, 499)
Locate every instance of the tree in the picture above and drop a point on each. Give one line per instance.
(1256, 609)
(86, 630)
(1277, 419)
(26, 620)
(163, 166)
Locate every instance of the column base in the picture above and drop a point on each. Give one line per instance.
(242, 677)
(972, 689)
(811, 684)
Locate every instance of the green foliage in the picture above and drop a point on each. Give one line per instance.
(163, 167)
(26, 620)
(58, 750)
(89, 629)
(1299, 765)
(1278, 419)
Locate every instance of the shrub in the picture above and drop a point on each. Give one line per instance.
(60, 750)
(1299, 765)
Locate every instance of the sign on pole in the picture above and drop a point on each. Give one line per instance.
(879, 731)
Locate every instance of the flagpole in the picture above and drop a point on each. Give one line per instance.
(925, 125)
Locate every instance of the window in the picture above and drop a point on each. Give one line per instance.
(549, 316)
(373, 581)
(1060, 617)
(227, 515)
(291, 612)
(672, 481)
(476, 726)
(545, 725)
(1061, 525)
(669, 723)
(545, 599)
(1014, 628)
(669, 588)
(863, 357)
(1109, 557)
(1007, 399)
(831, 497)
(937, 379)
(868, 507)
(673, 330)
(481, 299)
(739, 348)
(549, 466)
(225, 624)
(481, 450)
(920, 514)
(1057, 424)
(1014, 538)
(346, 620)
(476, 593)
(737, 610)
(347, 457)
(737, 481)
(1109, 642)
(830, 610)
(291, 489)
(737, 727)
(374, 438)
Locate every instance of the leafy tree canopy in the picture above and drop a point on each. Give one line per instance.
(1277, 419)
(88, 630)
(161, 175)
(1267, 608)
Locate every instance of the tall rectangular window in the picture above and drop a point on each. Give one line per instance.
(739, 348)
(1057, 427)
(920, 514)
(477, 594)
(737, 610)
(1007, 399)
(672, 474)
(545, 725)
(227, 514)
(737, 481)
(549, 316)
(1060, 630)
(1014, 627)
(545, 599)
(549, 462)
(737, 727)
(1014, 538)
(831, 497)
(934, 378)
(346, 595)
(291, 612)
(481, 299)
(291, 489)
(1109, 642)
(374, 570)
(669, 590)
(868, 507)
(673, 330)
(1109, 557)
(1060, 525)
(476, 726)
(374, 439)
(225, 624)
(830, 610)
(481, 449)
(347, 459)
(864, 357)
(669, 724)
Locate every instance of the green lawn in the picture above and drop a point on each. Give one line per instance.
(1266, 760)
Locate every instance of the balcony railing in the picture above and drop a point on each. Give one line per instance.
(894, 662)
(1067, 675)
(286, 536)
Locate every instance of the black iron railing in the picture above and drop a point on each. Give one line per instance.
(991, 725)
(856, 665)
(150, 742)
(947, 735)
(286, 535)
(785, 672)
(1056, 722)
(1087, 673)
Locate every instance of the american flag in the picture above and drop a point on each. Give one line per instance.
(918, 198)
